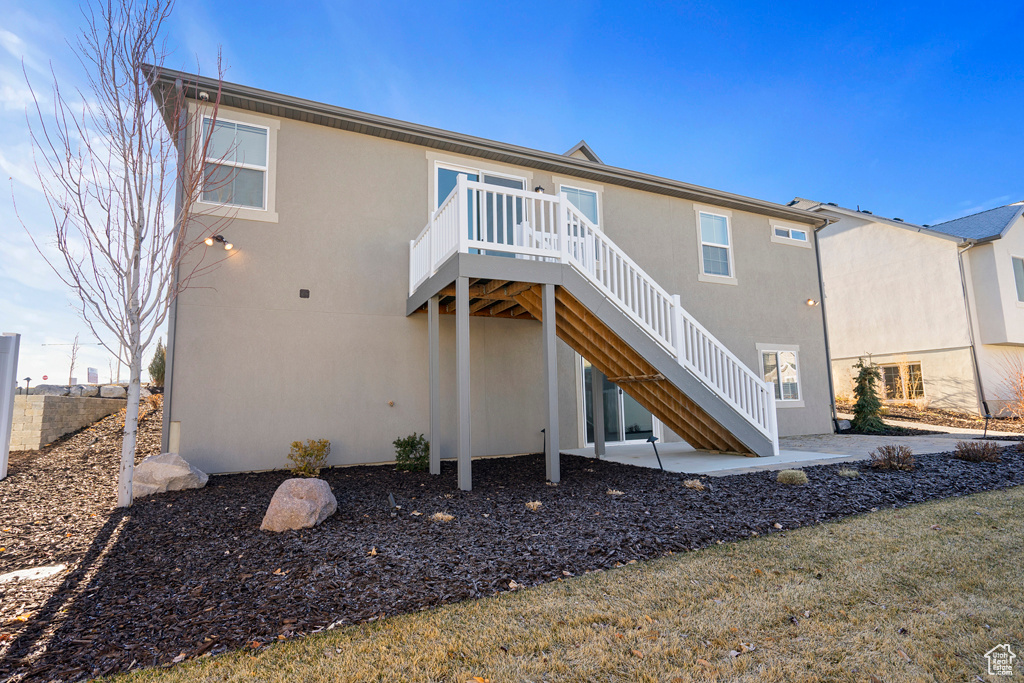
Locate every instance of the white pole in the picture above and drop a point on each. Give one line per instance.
(9, 345)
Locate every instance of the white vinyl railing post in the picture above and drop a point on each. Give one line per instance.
(562, 209)
(432, 254)
(462, 211)
(773, 419)
(412, 267)
(676, 314)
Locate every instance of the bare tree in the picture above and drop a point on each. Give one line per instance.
(74, 359)
(122, 171)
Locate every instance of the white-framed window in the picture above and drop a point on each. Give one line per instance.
(797, 236)
(715, 234)
(902, 381)
(780, 367)
(236, 167)
(587, 201)
(1018, 277)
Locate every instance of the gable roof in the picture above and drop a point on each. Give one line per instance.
(163, 82)
(584, 149)
(986, 225)
(830, 208)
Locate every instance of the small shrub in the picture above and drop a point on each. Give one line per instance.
(868, 407)
(309, 457)
(412, 453)
(792, 477)
(977, 451)
(441, 517)
(534, 505)
(849, 473)
(695, 484)
(892, 457)
(158, 365)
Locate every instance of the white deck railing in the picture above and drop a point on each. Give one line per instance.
(481, 218)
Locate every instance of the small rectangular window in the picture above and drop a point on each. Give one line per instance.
(715, 245)
(780, 369)
(1018, 276)
(902, 382)
(235, 169)
(789, 233)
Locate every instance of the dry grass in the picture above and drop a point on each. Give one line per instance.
(614, 492)
(902, 595)
(441, 517)
(534, 505)
(848, 473)
(791, 477)
(695, 484)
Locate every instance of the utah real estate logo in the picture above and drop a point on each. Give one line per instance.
(1000, 660)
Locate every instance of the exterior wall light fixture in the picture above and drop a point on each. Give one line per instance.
(213, 239)
(811, 302)
(539, 188)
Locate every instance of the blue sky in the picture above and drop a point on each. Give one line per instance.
(908, 110)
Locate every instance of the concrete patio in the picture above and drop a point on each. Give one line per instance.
(794, 451)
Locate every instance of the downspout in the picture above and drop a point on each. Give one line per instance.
(970, 331)
(172, 309)
(824, 327)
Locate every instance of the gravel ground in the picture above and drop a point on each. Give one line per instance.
(188, 573)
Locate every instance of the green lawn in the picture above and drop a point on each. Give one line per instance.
(916, 594)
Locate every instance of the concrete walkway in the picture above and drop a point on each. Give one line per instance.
(794, 451)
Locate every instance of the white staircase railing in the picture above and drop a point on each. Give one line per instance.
(481, 218)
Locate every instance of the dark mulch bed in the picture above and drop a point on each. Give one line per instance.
(189, 572)
(946, 418)
(891, 430)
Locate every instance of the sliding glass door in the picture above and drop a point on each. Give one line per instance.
(491, 218)
(624, 418)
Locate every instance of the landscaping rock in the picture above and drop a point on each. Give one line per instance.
(844, 425)
(49, 390)
(165, 472)
(84, 390)
(113, 391)
(299, 504)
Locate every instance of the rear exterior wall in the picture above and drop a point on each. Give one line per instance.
(257, 367)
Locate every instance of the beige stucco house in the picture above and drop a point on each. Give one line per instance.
(940, 308)
(390, 278)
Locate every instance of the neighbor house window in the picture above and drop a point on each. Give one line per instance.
(584, 200)
(1018, 276)
(780, 369)
(902, 382)
(235, 171)
(715, 245)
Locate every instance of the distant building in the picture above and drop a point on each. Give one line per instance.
(940, 308)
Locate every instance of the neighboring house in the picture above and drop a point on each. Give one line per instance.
(940, 308)
(355, 235)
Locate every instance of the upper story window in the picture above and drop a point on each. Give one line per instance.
(236, 166)
(793, 235)
(780, 368)
(715, 245)
(1018, 276)
(585, 201)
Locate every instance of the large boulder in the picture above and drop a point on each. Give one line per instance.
(113, 391)
(299, 504)
(84, 390)
(165, 472)
(49, 390)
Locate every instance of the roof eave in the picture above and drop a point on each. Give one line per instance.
(888, 221)
(276, 104)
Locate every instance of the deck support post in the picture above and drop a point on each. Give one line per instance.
(462, 382)
(548, 323)
(597, 405)
(434, 364)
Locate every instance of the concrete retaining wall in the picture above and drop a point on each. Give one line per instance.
(39, 420)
